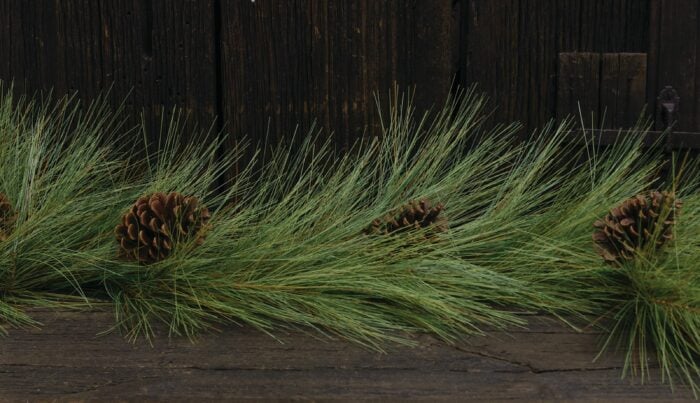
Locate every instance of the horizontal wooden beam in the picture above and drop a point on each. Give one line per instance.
(66, 359)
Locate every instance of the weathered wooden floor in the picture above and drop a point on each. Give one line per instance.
(66, 360)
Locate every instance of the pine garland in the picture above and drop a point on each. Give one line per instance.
(304, 239)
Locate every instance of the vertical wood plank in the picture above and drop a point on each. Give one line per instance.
(9, 40)
(613, 26)
(161, 52)
(34, 59)
(696, 98)
(287, 63)
(609, 89)
(50, 45)
(653, 58)
(622, 88)
(632, 88)
(674, 54)
(79, 24)
(5, 38)
(578, 87)
(511, 47)
(539, 30)
(491, 49)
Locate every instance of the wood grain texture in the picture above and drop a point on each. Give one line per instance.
(511, 47)
(288, 63)
(578, 87)
(674, 53)
(604, 89)
(491, 55)
(66, 360)
(160, 53)
(622, 88)
(165, 51)
(272, 66)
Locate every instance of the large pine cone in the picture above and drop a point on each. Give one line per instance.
(156, 223)
(415, 215)
(7, 217)
(641, 222)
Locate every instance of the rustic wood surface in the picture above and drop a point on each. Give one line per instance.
(511, 47)
(608, 89)
(578, 88)
(268, 67)
(159, 53)
(286, 64)
(67, 359)
(674, 50)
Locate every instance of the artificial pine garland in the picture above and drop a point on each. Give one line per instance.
(7, 217)
(287, 252)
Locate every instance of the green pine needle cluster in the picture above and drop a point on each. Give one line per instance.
(287, 246)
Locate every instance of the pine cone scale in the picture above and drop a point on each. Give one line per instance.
(132, 231)
(637, 225)
(415, 215)
(154, 225)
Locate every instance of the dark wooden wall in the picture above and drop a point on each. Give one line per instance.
(268, 66)
(160, 53)
(285, 63)
(511, 47)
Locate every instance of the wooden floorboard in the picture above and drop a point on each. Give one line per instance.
(66, 359)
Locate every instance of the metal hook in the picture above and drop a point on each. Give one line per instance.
(668, 102)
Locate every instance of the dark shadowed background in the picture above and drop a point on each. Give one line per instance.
(273, 65)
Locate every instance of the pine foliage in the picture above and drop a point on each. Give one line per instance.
(438, 225)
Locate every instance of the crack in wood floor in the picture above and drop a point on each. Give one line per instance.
(66, 360)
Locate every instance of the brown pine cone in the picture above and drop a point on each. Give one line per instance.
(414, 215)
(7, 217)
(641, 222)
(156, 223)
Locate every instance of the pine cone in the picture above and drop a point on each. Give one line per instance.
(156, 223)
(414, 215)
(7, 217)
(635, 224)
